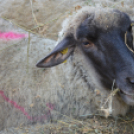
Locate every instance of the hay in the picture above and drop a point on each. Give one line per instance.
(93, 125)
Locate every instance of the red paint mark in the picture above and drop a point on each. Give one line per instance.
(49, 105)
(11, 35)
(15, 105)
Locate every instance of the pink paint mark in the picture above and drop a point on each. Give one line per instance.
(49, 105)
(12, 35)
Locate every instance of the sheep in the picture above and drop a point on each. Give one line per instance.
(95, 41)
(49, 94)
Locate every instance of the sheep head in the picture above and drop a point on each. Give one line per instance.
(101, 38)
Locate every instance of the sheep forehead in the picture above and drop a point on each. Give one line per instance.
(103, 18)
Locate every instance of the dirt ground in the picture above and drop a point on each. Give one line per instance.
(23, 93)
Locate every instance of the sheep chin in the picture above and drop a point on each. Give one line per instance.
(128, 99)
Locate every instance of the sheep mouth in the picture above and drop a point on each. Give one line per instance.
(128, 98)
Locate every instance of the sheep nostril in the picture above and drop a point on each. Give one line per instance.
(131, 80)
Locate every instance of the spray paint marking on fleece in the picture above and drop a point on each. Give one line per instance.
(22, 109)
(12, 35)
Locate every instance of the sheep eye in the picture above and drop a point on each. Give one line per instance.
(87, 44)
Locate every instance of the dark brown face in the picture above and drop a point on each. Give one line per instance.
(106, 50)
(111, 58)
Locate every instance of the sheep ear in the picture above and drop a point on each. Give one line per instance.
(60, 53)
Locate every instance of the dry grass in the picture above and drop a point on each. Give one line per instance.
(93, 125)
